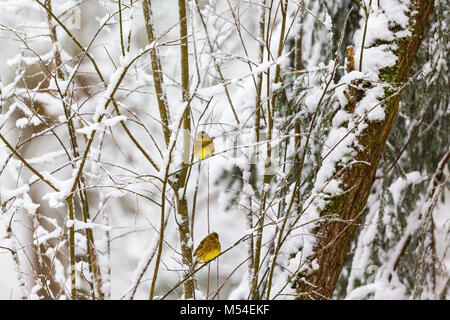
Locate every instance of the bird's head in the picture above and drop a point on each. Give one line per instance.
(203, 135)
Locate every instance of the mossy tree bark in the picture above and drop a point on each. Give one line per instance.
(334, 236)
(180, 186)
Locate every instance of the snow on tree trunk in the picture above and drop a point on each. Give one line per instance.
(393, 35)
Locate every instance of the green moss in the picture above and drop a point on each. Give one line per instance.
(388, 74)
(379, 42)
(332, 206)
(389, 90)
(394, 27)
(303, 297)
(357, 283)
(344, 124)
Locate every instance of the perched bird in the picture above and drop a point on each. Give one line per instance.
(208, 249)
(203, 145)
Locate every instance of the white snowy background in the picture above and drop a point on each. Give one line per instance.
(133, 220)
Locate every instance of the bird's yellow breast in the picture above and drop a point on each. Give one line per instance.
(202, 150)
(211, 254)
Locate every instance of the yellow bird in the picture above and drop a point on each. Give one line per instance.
(203, 145)
(208, 249)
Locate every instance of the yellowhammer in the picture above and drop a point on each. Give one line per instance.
(203, 145)
(209, 248)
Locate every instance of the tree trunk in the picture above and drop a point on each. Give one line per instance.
(335, 237)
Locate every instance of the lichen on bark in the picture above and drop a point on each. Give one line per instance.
(333, 237)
